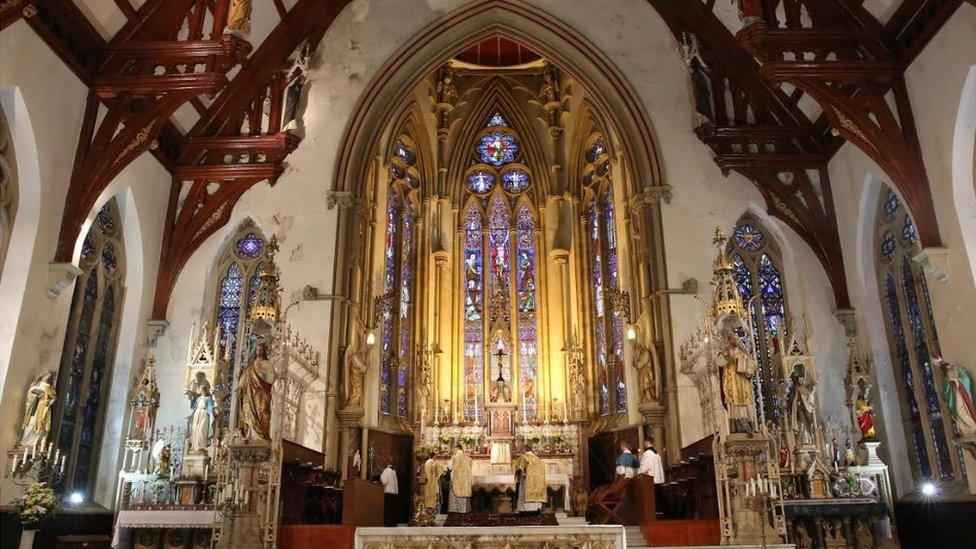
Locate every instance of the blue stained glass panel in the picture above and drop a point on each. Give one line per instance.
(406, 283)
(901, 351)
(392, 214)
(594, 152)
(771, 289)
(748, 237)
(497, 148)
(887, 246)
(892, 205)
(387, 356)
(249, 246)
(923, 355)
(88, 248)
(474, 372)
(106, 223)
(405, 153)
(496, 120)
(908, 232)
(110, 261)
(481, 181)
(515, 181)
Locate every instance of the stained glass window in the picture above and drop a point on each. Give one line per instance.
(250, 246)
(913, 341)
(609, 303)
(515, 181)
(236, 288)
(500, 275)
(748, 237)
(497, 148)
(394, 307)
(481, 181)
(497, 120)
(474, 337)
(89, 349)
(755, 266)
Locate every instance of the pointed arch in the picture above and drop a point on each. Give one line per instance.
(89, 349)
(913, 342)
(757, 262)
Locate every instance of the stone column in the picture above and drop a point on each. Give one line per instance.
(441, 262)
(350, 419)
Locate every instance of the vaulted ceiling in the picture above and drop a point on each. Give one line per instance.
(785, 83)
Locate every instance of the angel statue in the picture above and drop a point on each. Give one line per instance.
(37, 409)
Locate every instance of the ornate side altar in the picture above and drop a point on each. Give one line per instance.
(786, 476)
(218, 475)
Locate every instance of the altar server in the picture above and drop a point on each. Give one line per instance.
(627, 463)
(459, 500)
(531, 474)
(650, 463)
(390, 490)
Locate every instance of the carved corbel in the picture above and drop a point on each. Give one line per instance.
(343, 199)
(846, 319)
(935, 262)
(154, 329)
(59, 277)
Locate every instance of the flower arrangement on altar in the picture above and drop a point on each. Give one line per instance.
(35, 504)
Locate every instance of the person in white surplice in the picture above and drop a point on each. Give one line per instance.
(650, 463)
(388, 478)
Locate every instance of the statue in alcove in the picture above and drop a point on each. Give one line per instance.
(645, 362)
(37, 410)
(357, 363)
(800, 402)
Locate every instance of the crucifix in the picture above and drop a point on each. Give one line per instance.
(500, 390)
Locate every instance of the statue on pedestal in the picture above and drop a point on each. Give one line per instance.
(36, 423)
(239, 17)
(145, 402)
(738, 369)
(201, 418)
(801, 405)
(645, 362)
(357, 363)
(958, 392)
(254, 396)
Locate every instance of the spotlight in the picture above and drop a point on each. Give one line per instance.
(929, 489)
(76, 498)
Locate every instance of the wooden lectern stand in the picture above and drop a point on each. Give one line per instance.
(641, 507)
(362, 502)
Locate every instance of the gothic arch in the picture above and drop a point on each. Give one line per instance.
(964, 168)
(434, 45)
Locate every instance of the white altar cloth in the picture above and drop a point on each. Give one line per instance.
(127, 520)
(517, 536)
(508, 481)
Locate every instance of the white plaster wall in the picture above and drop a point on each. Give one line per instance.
(935, 84)
(55, 104)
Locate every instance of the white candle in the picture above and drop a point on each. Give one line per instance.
(62, 463)
(13, 468)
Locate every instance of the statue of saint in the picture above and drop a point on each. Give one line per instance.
(530, 475)
(239, 17)
(201, 418)
(459, 500)
(146, 401)
(550, 89)
(645, 361)
(161, 453)
(738, 369)
(37, 409)
(958, 392)
(254, 396)
(357, 363)
(800, 402)
(446, 91)
(865, 421)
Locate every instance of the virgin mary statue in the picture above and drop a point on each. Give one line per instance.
(37, 410)
(254, 397)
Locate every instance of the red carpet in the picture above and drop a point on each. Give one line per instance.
(664, 533)
(316, 535)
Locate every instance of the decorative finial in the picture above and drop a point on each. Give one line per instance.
(725, 297)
